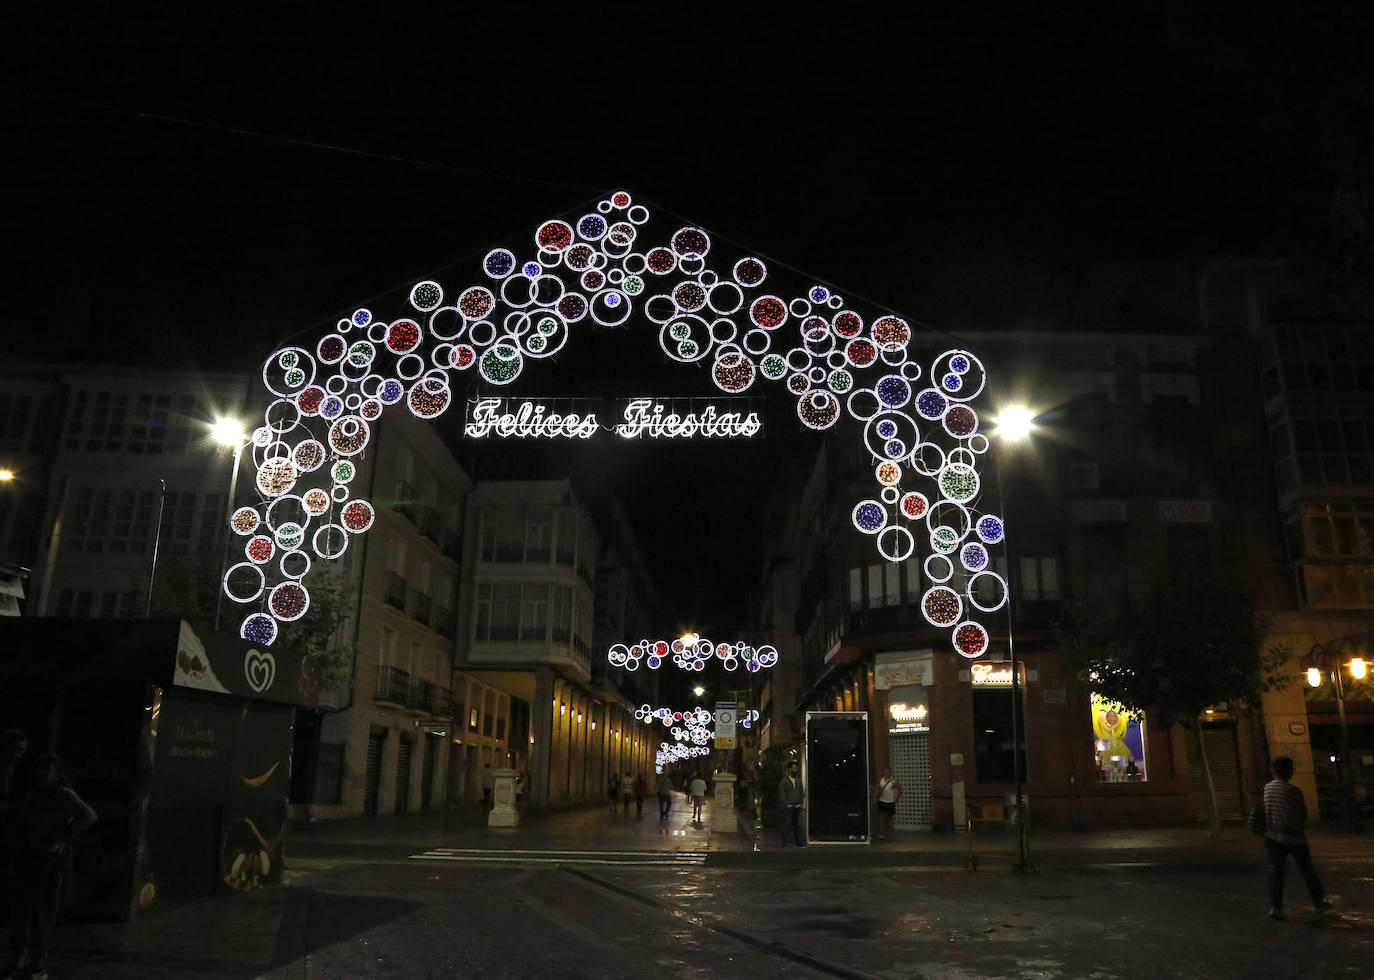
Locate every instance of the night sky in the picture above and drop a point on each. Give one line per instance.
(194, 192)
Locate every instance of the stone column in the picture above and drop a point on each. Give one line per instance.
(723, 820)
(503, 812)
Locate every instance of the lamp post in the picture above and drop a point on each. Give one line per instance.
(227, 432)
(1358, 669)
(1014, 425)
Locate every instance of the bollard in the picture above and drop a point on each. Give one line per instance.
(503, 812)
(723, 819)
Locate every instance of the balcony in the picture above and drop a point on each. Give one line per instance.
(394, 592)
(393, 685)
(427, 522)
(423, 698)
(422, 609)
(445, 705)
(406, 502)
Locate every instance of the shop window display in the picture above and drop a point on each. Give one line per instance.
(1119, 742)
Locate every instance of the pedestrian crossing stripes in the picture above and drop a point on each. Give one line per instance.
(676, 859)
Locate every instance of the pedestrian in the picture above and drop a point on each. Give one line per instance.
(488, 784)
(791, 796)
(663, 785)
(613, 790)
(1285, 833)
(889, 792)
(44, 829)
(640, 789)
(627, 790)
(696, 789)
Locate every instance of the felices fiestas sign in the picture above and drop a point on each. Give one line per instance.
(636, 418)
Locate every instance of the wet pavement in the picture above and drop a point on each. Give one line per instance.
(587, 893)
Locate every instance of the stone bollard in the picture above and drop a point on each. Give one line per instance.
(723, 819)
(503, 812)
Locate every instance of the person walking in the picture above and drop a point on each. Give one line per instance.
(44, 830)
(663, 785)
(889, 792)
(613, 791)
(1285, 833)
(640, 789)
(696, 789)
(627, 789)
(791, 796)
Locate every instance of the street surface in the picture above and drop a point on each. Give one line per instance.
(587, 894)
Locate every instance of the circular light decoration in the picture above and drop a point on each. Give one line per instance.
(276, 476)
(361, 318)
(941, 606)
(691, 243)
(499, 263)
(310, 400)
(426, 296)
(989, 529)
(554, 236)
(308, 456)
(260, 549)
(972, 587)
(476, 302)
(749, 272)
(733, 372)
(939, 568)
(402, 336)
(860, 352)
(315, 502)
(888, 474)
(289, 536)
(342, 471)
(689, 296)
(944, 539)
(840, 381)
(818, 409)
(847, 324)
(895, 543)
(358, 515)
(331, 349)
(970, 639)
(660, 261)
(961, 374)
(259, 628)
(294, 564)
(773, 367)
(930, 404)
(330, 541)
(891, 333)
(973, 556)
(245, 520)
(591, 227)
(869, 516)
(243, 582)
(362, 352)
(914, 505)
(390, 392)
(768, 312)
(349, 435)
(429, 398)
(371, 410)
(288, 601)
(501, 364)
(893, 391)
(959, 482)
(960, 421)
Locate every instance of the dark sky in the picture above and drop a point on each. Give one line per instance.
(183, 190)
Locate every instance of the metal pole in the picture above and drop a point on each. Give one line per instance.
(1346, 772)
(54, 543)
(157, 540)
(1021, 859)
(227, 532)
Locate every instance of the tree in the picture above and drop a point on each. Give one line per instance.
(1175, 647)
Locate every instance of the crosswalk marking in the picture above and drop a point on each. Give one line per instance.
(646, 858)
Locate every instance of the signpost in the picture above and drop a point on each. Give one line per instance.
(726, 712)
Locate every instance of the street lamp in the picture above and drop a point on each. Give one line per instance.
(1014, 424)
(698, 690)
(227, 432)
(6, 475)
(1333, 654)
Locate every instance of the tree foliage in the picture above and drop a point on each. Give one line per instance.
(1176, 647)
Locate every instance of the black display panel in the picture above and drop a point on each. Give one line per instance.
(837, 776)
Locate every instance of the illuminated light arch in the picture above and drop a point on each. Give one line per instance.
(605, 266)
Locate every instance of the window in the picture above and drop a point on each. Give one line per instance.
(534, 612)
(498, 612)
(133, 520)
(1039, 579)
(892, 586)
(1118, 742)
(994, 752)
(562, 613)
(90, 519)
(539, 534)
(875, 586)
(913, 579)
(856, 588)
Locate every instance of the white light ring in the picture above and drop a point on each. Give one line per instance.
(343, 348)
(964, 394)
(274, 519)
(262, 581)
(962, 456)
(245, 511)
(942, 590)
(938, 568)
(631, 664)
(618, 650)
(446, 315)
(956, 469)
(620, 311)
(320, 496)
(548, 290)
(835, 302)
(704, 648)
(983, 536)
(296, 554)
(376, 333)
(552, 343)
(441, 357)
(287, 588)
(836, 360)
(798, 360)
(920, 459)
(723, 331)
(730, 663)
(972, 564)
(336, 385)
(978, 443)
(821, 405)
(708, 278)
(353, 401)
(767, 655)
(352, 373)
(724, 298)
(892, 358)
(862, 404)
(816, 375)
(970, 589)
(344, 433)
(260, 539)
(969, 624)
(287, 415)
(528, 289)
(868, 516)
(339, 494)
(482, 333)
(697, 333)
(732, 361)
(431, 387)
(777, 301)
(943, 544)
(799, 308)
(659, 308)
(308, 376)
(634, 264)
(281, 471)
(944, 421)
(303, 447)
(938, 506)
(906, 432)
(757, 341)
(763, 272)
(890, 495)
(359, 504)
(895, 543)
(344, 325)
(503, 254)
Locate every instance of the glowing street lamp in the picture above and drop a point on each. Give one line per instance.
(227, 432)
(698, 690)
(1358, 667)
(1015, 423)
(6, 475)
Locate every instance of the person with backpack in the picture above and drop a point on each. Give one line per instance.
(44, 829)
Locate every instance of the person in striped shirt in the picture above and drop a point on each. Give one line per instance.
(1285, 833)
